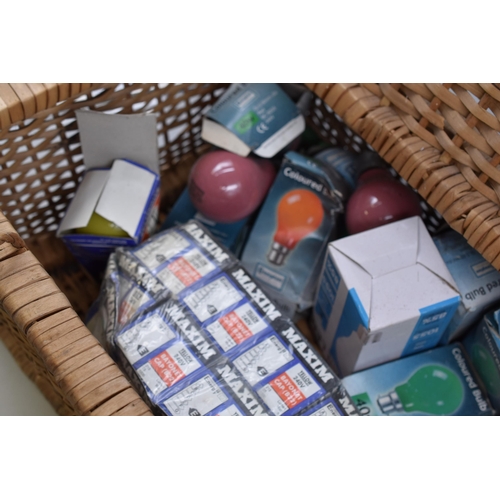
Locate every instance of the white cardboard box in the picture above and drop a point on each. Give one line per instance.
(121, 183)
(383, 294)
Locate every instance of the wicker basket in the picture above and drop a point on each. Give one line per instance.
(44, 293)
(444, 139)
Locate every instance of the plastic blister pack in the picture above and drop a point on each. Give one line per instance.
(197, 336)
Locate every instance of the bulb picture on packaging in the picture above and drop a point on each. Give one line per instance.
(487, 369)
(100, 226)
(201, 397)
(438, 382)
(263, 360)
(212, 298)
(432, 389)
(236, 326)
(299, 213)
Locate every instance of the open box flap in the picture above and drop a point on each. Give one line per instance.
(106, 137)
(384, 249)
(125, 195)
(83, 204)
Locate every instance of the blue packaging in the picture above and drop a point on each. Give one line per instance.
(208, 301)
(121, 184)
(477, 280)
(286, 246)
(164, 369)
(188, 345)
(436, 382)
(344, 162)
(219, 390)
(231, 330)
(483, 346)
(231, 236)
(92, 250)
(272, 368)
(326, 408)
(253, 117)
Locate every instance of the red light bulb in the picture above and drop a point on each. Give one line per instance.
(226, 188)
(300, 212)
(379, 199)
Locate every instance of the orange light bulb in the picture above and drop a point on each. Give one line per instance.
(300, 212)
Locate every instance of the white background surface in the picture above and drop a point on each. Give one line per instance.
(18, 394)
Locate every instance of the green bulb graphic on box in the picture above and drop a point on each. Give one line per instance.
(487, 369)
(432, 389)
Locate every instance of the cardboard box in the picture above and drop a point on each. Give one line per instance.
(253, 117)
(483, 346)
(477, 280)
(384, 293)
(121, 184)
(285, 249)
(437, 382)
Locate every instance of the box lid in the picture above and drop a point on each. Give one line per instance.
(396, 270)
(106, 137)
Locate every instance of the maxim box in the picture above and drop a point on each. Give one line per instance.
(483, 347)
(384, 293)
(478, 282)
(436, 382)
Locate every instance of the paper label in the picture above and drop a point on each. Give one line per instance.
(144, 337)
(236, 326)
(213, 298)
(174, 364)
(199, 398)
(328, 410)
(161, 249)
(151, 379)
(185, 271)
(288, 390)
(263, 360)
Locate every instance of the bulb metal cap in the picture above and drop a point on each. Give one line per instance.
(390, 403)
(277, 254)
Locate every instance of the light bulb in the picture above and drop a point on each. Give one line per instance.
(487, 369)
(433, 389)
(99, 226)
(225, 187)
(300, 212)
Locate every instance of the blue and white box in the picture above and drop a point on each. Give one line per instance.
(477, 280)
(384, 294)
(439, 382)
(253, 117)
(121, 184)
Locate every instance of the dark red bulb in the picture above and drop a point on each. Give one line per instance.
(379, 199)
(226, 188)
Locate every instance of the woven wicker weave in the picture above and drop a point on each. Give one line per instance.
(444, 139)
(43, 291)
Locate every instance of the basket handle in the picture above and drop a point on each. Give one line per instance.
(20, 101)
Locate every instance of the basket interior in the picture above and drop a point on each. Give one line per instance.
(41, 163)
